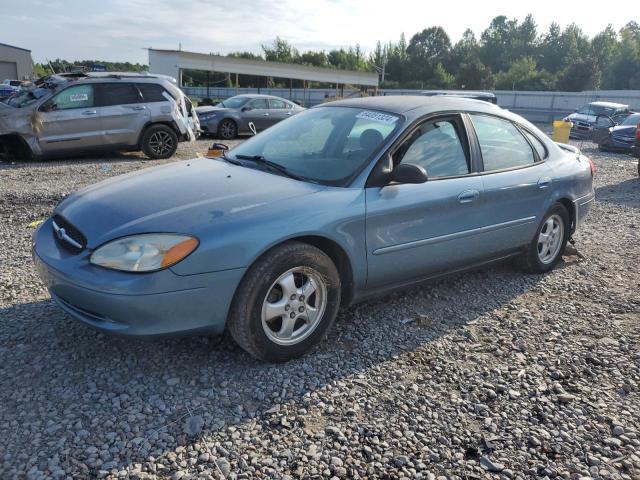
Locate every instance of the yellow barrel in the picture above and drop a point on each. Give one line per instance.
(561, 130)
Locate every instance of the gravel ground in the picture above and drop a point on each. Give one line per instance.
(489, 374)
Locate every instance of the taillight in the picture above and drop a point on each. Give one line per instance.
(638, 133)
(592, 166)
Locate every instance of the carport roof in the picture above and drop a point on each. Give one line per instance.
(169, 62)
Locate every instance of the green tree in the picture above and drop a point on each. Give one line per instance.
(497, 43)
(426, 50)
(523, 74)
(280, 51)
(475, 75)
(625, 69)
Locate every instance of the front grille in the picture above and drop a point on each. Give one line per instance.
(68, 236)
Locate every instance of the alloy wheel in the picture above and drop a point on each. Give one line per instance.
(228, 129)
(550, 239)
(161, 143)
(294, 306)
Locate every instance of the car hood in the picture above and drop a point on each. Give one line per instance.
(6, 110)
(185, 197)
(624, 131)
(210, 109)
(579, 117)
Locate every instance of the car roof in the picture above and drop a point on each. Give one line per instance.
(459, 93)
(112, 76)
(413, 106)
(609, 104)
(260, 95)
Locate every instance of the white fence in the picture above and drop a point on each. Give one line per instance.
(534, 106)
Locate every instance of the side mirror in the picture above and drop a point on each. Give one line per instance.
(48, 107)
(409, 173)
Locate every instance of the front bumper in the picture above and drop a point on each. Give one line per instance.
(159, 303)
(618, 144)
(209, 126)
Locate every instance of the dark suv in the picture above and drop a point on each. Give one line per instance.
(72, 114)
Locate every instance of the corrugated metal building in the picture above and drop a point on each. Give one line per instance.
(15, 63)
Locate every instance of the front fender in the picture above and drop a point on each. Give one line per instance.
(337, 214)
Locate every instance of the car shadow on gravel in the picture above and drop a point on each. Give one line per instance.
(626, 193)
(56, 365)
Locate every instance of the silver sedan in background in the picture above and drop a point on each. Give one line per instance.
(231, 117)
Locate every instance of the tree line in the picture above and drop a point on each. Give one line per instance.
(508, 55)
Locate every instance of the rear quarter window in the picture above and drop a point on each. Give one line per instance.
(541, 150)
(502, 145)
(152, 92)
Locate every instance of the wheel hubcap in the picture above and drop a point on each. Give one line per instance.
(550, 239)
(294, 306)
(161, 143)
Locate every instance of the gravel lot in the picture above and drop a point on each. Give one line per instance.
(489, 374)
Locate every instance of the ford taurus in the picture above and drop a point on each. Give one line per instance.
(341, 202)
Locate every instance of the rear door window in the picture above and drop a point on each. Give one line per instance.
(501, 143)
(78, 96)
(152, 92)
(277, 104)
(109, 94)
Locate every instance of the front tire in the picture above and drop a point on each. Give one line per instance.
(286, 303)
(159, 142)
(227, 130)
(546, 248)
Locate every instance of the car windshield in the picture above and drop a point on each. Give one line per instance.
(632, 119)
(596, 110)
(328, 144)
(234, 102)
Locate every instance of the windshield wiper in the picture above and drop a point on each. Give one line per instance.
(272, 165)
(230, 160)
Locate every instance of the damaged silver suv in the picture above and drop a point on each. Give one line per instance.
(71, 114)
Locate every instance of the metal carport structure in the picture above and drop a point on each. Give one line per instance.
(172, 62)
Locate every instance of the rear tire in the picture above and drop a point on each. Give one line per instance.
(546, 248)
(271, 317)
(159, 142)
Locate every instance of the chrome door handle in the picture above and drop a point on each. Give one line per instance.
(468, 196)
(288, 113)
(89, 112)
(544, 182)
(139, 107)
(265, 114)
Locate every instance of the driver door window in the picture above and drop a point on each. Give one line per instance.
(78, 96)
(437, 146)
(258, 113)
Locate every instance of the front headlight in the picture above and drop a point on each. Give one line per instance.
(206, 116)
(144, 253)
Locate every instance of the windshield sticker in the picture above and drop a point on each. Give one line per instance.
(79, 97)
(377, 117)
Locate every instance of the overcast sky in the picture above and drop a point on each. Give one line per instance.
(120, 30)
